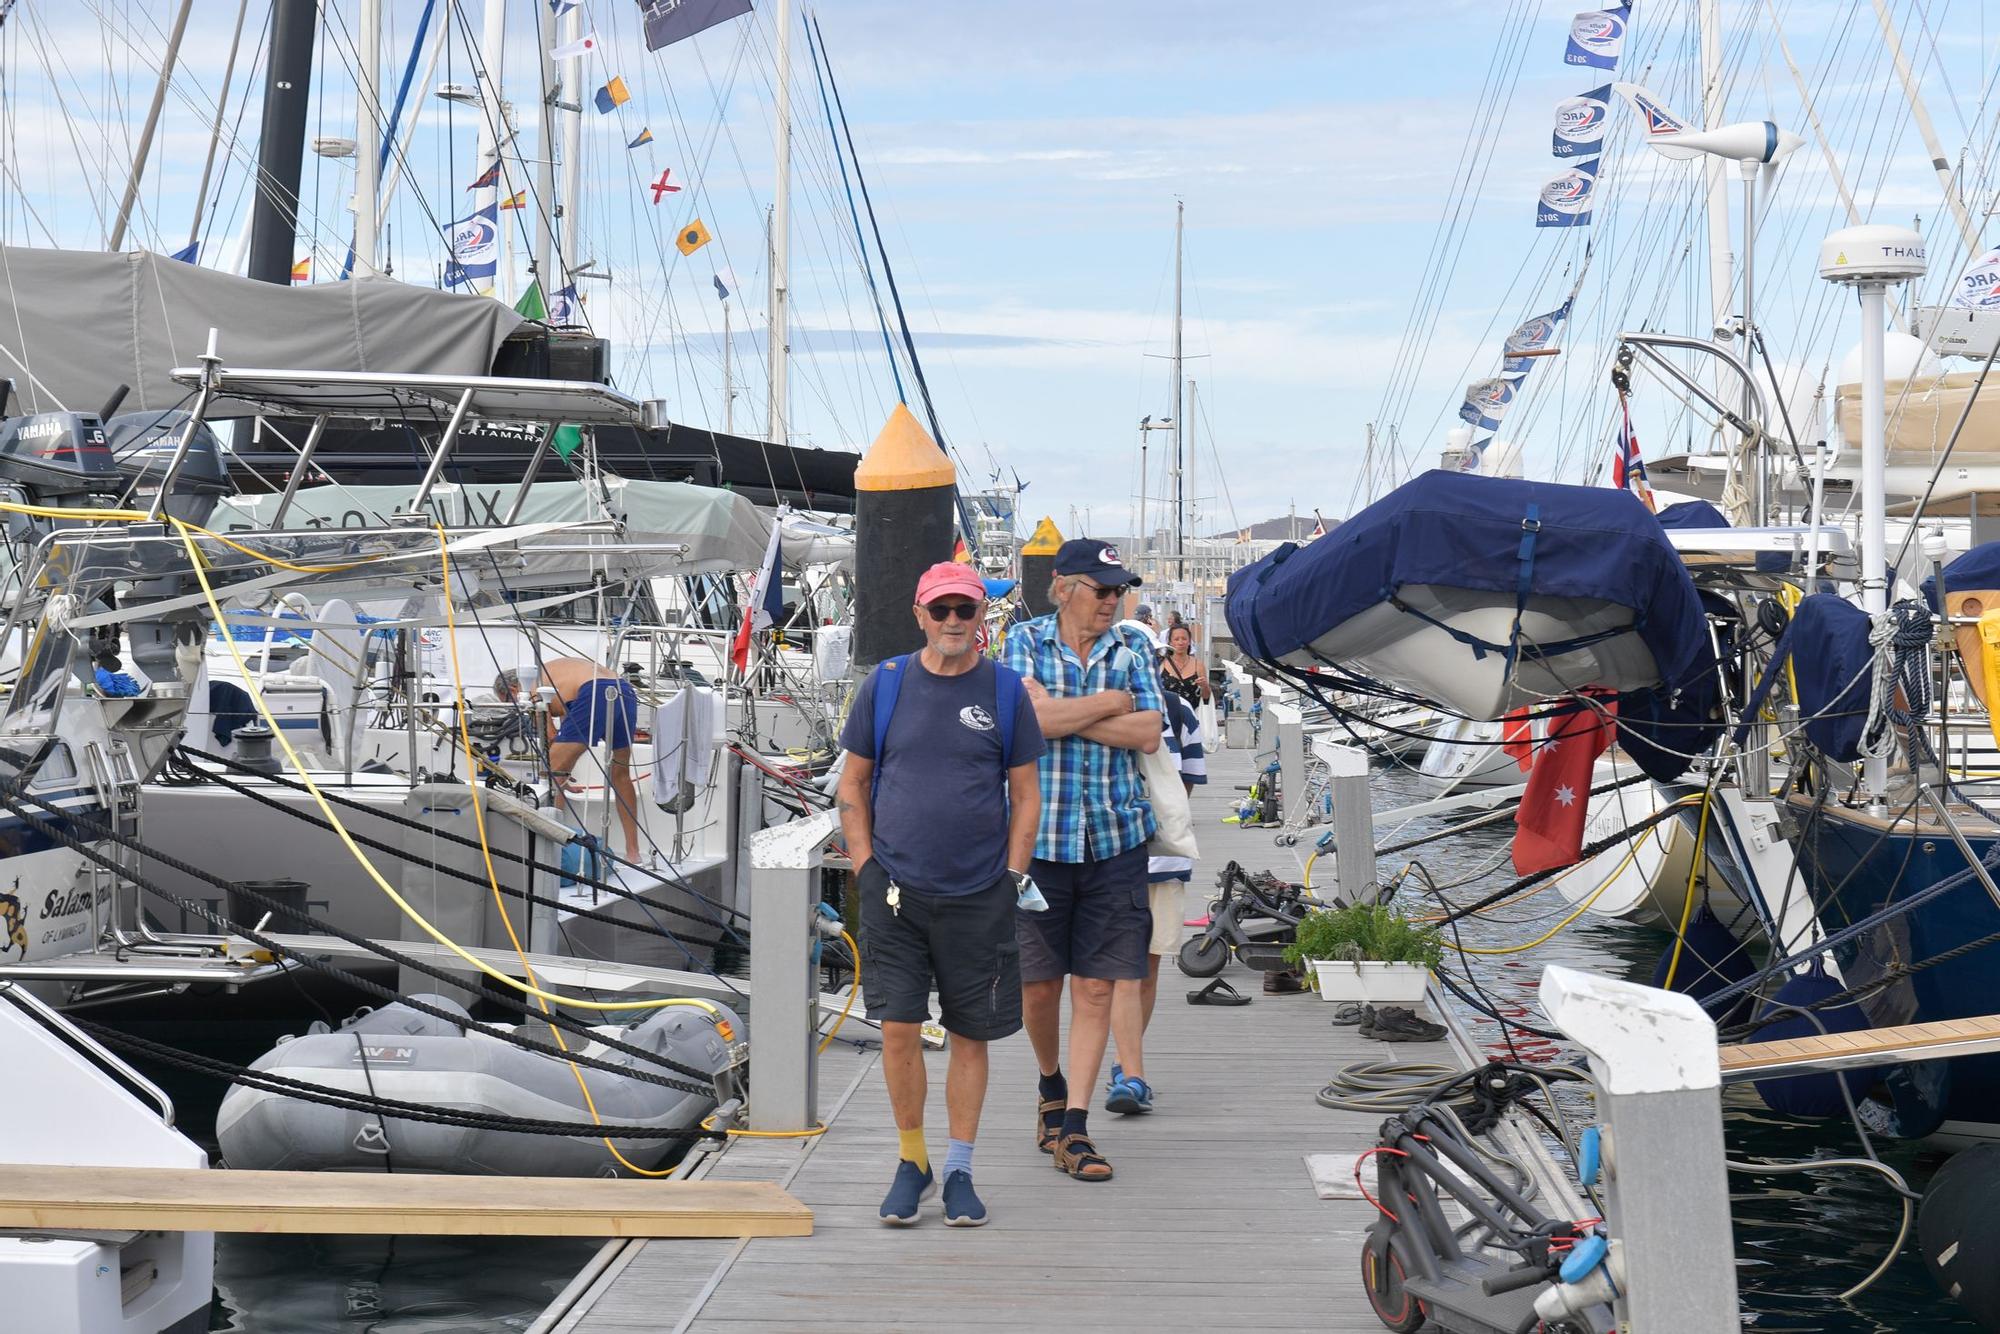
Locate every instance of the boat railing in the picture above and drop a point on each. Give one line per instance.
(106, 1060)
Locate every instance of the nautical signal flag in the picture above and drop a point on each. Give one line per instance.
(519, 200)
(692, 238)
(661, 188)
(612, 96)
(562, 7)
(721, 290)
(302, 271)
(582, 46)
(486, 179)
(645, 137)
(1548, 825)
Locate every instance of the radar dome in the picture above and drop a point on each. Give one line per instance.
(1903, 358)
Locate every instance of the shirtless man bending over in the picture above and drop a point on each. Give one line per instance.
(592, 704)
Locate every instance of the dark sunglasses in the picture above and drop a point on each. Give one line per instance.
(941, 611)
(1103, 594)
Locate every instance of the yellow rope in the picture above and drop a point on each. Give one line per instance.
(853, 991)
(1694, 873)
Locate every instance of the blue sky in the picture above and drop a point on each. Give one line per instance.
(1025, 160)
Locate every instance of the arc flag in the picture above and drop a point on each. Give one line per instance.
(1979, 285)
(1565, 201)
(1597, 37)
(767, 600)
(1580, 123)
(1532, 335)
(473, 245)
(1486, 402)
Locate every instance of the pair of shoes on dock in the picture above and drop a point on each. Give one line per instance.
(1127, 1096)
(913, 1185)
(1391, 1023)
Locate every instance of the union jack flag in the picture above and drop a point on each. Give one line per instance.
(1628, 469)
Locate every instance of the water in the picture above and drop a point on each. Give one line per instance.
(1801, 1239)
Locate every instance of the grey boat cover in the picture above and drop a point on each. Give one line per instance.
(722, 530)
(75, 324)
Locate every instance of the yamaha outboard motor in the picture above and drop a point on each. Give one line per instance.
(57, 459)
(143, 445)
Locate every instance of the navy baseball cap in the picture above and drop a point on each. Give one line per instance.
(1099, 560)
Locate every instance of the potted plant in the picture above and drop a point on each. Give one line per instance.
(1367, 952)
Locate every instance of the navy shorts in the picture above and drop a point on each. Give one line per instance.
(1099, 923)
(606, 709)
(962, 943)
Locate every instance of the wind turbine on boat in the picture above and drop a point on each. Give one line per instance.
(1751, 144)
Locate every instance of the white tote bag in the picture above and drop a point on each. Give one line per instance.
(1175, 835)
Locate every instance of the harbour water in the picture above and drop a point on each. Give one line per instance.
(1800, 1240)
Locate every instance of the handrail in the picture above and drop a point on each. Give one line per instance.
(59, 1023)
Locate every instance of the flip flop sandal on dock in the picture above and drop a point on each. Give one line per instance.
(1076, 1156)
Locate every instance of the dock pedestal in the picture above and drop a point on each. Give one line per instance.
(784, 993)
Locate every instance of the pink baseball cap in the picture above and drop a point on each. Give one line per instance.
(950, 576)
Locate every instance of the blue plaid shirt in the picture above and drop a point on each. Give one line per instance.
(1093, 800)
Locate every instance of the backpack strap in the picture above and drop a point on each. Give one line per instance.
(888, 685)
(1007, 689)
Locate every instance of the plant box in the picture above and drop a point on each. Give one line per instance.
(1368, 980)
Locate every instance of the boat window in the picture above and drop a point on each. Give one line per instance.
(58, 770)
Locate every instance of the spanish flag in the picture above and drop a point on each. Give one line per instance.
(515, 200)
(692, 237)
(302, 271)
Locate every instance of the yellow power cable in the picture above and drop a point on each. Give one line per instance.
(493, 876)
(1694, 873)
(854, 951)
(361, 858)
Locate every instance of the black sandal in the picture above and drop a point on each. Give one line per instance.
(1046, 1134)
(1077, 1157)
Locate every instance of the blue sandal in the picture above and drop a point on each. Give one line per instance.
(1130, 1096)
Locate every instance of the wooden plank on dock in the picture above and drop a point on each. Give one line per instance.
(189, 1200)
(1868, 1046)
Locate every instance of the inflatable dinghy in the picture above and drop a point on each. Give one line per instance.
(401, 1053)
(1488, 594)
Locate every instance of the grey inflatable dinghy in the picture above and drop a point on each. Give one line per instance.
(401, 1053)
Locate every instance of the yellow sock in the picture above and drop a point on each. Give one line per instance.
(911, 1142)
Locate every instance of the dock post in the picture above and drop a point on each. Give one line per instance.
(784, 992)
(1291, 754)
(1654, 1059)
(1353, 820)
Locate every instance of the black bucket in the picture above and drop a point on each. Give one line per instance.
(289, 916)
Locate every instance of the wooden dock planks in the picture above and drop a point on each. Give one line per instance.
(185, 1200)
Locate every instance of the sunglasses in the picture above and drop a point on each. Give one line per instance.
(942, 611)
(1103, 594)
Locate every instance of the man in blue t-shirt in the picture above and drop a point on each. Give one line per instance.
(940, 826)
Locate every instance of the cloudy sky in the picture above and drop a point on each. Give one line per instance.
(1359, 180)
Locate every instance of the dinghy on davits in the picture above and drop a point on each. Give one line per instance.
(1488, 594)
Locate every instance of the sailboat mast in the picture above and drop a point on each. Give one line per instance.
(1180, 434)
(569, 246)
(493, 131)
(281, 144)
(1709, 19)
(781, 241)
(367, 136)
(547, 272)
(145, 147)
(1193, 450)
(728, 379)
(1966, 230)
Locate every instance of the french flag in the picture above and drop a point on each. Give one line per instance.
(1628, 469)
(767, 599)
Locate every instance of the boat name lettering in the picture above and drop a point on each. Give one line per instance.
(56, 937)
(61, 903)
(365, 1055)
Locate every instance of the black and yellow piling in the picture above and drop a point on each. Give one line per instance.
(905, 494)
(1038, 564)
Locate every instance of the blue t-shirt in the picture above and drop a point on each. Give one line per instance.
(940, 815)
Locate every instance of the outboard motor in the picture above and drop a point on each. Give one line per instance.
(57, 459)
(143, 445)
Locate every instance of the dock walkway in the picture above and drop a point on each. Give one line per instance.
(1211, 1222)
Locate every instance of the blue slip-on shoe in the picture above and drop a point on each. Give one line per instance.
(1130, 1095)
(962, 1207)
(913, 1185)
(1117, 1078)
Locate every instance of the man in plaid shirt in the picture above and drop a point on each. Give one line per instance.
(1098, 702)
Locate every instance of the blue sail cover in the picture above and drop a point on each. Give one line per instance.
(1462, 530)
(1977, 568)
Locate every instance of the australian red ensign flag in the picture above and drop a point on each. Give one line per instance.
(767, 600)
(1549, 825)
